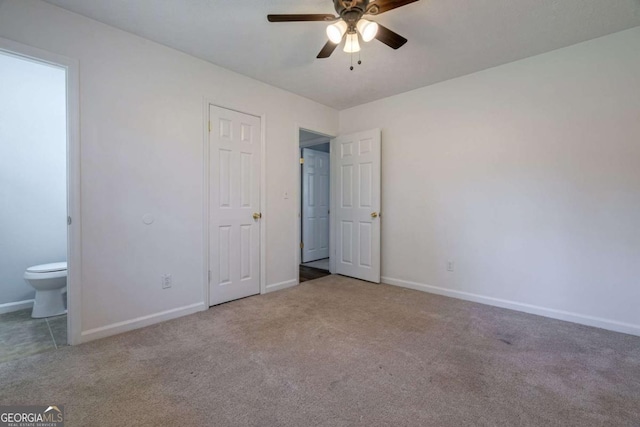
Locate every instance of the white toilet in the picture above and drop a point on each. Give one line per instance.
(49, 281)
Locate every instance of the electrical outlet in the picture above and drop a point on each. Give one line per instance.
(167, 281)
(450, 265)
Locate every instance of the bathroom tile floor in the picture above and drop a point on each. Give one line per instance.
(21, 335)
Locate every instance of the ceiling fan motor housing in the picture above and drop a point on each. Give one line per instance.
(351, 10)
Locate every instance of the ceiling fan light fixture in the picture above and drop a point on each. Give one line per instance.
(367, 29)
(352, 45)
(336, 31)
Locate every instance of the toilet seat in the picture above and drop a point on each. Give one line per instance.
(48, 268)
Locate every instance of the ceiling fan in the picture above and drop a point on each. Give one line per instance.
(351, 24)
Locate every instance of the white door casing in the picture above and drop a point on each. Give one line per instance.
(357, 204)
(315, 205)
(234, 205)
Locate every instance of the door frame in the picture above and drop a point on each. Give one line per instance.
(298, 234)
(206, 183)
(74, 230)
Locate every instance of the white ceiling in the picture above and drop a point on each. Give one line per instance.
(447, 38)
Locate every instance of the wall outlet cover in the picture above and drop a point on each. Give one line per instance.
(167, 281)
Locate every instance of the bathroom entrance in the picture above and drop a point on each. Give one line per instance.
(36, 205)
(314, 205)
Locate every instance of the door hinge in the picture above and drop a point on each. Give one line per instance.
(68, 220)
(302, 160)
(209, 125)
(301, 245)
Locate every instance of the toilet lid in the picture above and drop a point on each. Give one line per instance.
(48, 268)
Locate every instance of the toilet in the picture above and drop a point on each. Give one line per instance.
(49, 281)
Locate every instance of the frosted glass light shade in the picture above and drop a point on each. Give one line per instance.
(368, 29)
(352, 45)
(336, 31)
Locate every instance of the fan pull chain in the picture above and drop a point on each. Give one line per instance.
(351, 68)
(359, 61)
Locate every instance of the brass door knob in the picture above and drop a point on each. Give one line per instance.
(374, 214)
(257, 215)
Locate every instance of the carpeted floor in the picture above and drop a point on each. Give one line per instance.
(339, 352)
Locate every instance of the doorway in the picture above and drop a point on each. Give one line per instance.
(315, 192)
(39, 188)
(354, 204)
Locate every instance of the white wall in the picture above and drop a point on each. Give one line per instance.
(527, 176)
(33, 196)
(141, 111)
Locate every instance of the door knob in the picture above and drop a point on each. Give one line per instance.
(257, 215)
(374, 214)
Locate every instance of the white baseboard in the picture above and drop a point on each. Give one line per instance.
(15, 306)
(140, 322)
(282, 285)
(582, 319)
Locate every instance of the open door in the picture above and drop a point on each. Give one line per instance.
(356, 180)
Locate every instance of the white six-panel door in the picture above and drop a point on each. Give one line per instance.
(234, 205)
(357, 200)
(315, 205)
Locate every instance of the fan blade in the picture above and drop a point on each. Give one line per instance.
(299, 18)
(328, 49)
(382, 6)
(390, 38)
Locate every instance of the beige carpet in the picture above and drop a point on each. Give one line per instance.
(339, 352)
